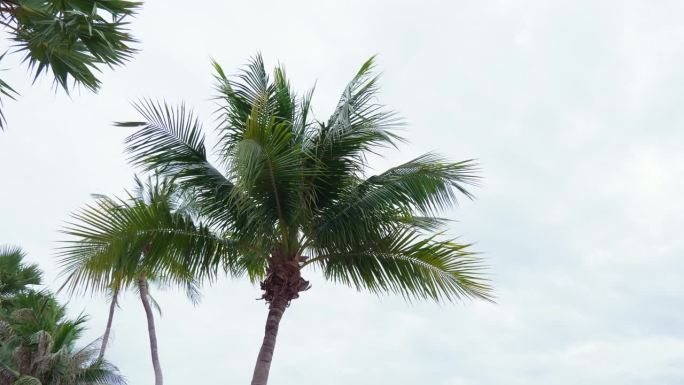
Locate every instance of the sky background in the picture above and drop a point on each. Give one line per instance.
(573, 109)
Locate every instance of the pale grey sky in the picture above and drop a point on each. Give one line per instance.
(574, 109)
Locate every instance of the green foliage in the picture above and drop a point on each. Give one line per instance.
(38, 341)
(287, 186)
(111, 238)
(16, 276)
(71, 39)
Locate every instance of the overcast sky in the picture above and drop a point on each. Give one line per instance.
(573, 108)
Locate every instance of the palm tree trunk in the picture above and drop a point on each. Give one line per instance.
(263, 363)
(144, 297)
(108, 329)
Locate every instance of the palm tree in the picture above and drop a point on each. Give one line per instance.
(16, 276)
(37, 346)
(291, 192)
(70, 39)
(89, 261)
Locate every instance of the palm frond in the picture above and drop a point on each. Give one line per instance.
(170, 137)
(238, 97)
(15, 275)
(170, 142)
(71, 40)
(406, 263)
(101, 372)
(427, 184)
(359, 121)
(268, 169)
(112, 240)
(359, 126)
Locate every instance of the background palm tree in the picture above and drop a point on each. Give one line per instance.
(291, 192)
(70, 39)
(91, 263)
(37, 341)
(37, 346)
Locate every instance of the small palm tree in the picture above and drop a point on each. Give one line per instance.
(290, 192)
(70, 39)
(91, 263)
(38, 346)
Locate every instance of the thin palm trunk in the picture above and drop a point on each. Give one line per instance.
(108, 329)
(263, 363)
(145, 298)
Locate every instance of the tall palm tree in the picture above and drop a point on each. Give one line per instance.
(16, 276)
(290, 192)
(38, 346)
(89, 261)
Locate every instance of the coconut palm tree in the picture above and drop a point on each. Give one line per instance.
(38, 346)
(90, 263)
(290, 192)
(70, 39)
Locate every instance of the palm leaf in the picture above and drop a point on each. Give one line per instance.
(405, 263)
(113, 239)
(170, 142)
(337, 149)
